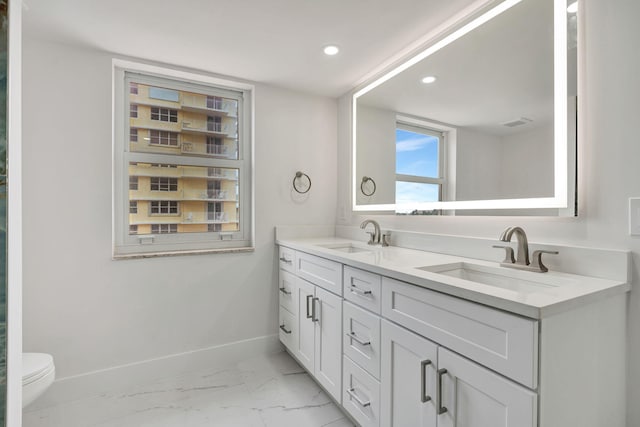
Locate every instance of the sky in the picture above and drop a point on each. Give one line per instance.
(416, 154)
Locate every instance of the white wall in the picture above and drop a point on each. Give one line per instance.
(527, 166)
(609, 152)
(376, 133)
(478, 165)
(91, 312)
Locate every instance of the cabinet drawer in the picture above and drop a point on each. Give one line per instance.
(361, 394)
(361, 340)
(287, 328)
(319, 271)
(287, 259)
(501, 341)
(362, 288)
(286, 290)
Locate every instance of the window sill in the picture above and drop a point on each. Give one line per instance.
(181, 253)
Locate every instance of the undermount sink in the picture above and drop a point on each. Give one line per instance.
(500, 277)
(347, 248)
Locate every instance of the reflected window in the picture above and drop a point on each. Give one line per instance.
(419, 164)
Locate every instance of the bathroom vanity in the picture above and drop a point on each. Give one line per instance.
(403, 337)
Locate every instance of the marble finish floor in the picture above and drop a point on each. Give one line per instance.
(268, 391)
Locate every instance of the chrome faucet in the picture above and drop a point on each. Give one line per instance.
(521, 260)
(374, 238)
(522, 254)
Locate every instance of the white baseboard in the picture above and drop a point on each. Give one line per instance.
(124, 376)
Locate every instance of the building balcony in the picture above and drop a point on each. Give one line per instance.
(227, 130)
(207, 218)
(224, 151)
(200, 104)
(184, 172)
(183, 195)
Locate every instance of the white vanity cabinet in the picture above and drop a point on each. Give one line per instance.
(426, 385)
(316, 334)
(397, 354)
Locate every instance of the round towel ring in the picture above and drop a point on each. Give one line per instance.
(366, 179)
(298, 176)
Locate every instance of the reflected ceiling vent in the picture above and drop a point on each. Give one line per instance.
(516, 122)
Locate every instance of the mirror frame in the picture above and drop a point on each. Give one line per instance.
(561, 197)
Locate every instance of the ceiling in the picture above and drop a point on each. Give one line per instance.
(498, 73)
(277, 42)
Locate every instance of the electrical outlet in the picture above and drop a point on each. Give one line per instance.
(634, 216)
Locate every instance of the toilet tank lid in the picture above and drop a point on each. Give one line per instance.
(35, 363)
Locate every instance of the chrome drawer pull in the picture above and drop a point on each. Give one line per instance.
(284, 329)
(354, 289)
(441, 409)
(285, 291)
(309, 298)
(354, 337)
(423, 381)
(350, 392)
(313, 309)
(283, 259)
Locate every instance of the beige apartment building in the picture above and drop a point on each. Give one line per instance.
(171, 197)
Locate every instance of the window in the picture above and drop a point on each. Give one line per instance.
(133, 183)
(133, 88)
(163, 207)
(203, 191)
(164, 114)
(214, 145)
(164, 228)
(214, 102)
(419, 164)
(133, 111)
(214, 124)
(164, 184)
(161, 137)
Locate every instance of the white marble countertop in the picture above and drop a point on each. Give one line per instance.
(556, 291)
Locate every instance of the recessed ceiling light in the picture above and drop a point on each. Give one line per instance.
(429, 79)
(573, 7)
(331, 50)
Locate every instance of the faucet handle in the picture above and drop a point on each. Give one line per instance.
(536, 261)
(508, 256)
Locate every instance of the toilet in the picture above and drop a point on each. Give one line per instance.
(38, 372)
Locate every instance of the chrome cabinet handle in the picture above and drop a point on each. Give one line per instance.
(284, 329)
(313, 309)
(441, 409)
(309, 298)
(354, 337)
(423, 381)
(350, 392)
(283, 259)
(354, 289)
(285, 291)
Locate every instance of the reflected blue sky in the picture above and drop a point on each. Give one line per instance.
(417, 155)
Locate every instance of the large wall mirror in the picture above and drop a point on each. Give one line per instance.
(480, 122)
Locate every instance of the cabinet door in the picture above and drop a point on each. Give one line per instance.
(476, 397)
(328, 357)
(407, 378)
(305, 343)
